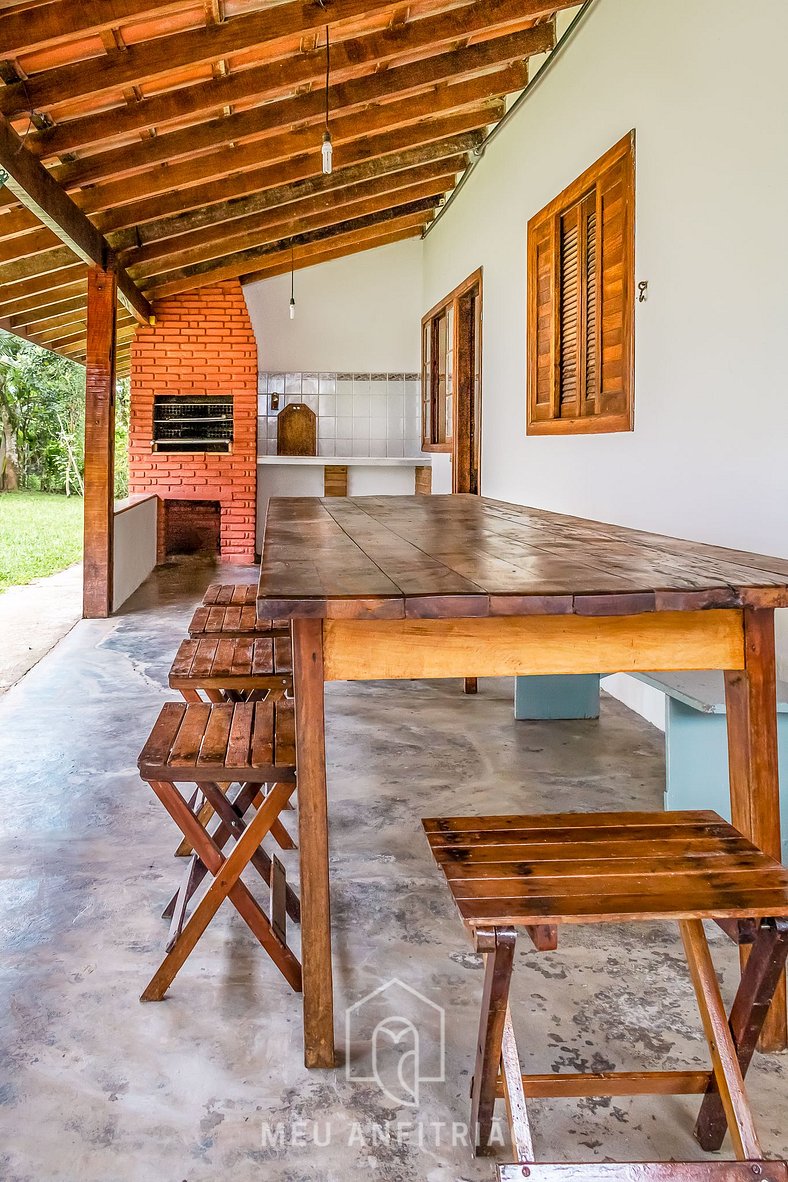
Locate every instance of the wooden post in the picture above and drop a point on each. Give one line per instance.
(309, 690)
(99, 444)
(751, 708)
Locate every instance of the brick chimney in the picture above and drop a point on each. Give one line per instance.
(202, 343)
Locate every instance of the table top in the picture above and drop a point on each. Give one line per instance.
(459, 556)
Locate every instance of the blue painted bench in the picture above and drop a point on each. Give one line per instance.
(696, 742)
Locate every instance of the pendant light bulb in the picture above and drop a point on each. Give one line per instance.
(292, 308)
(328, 153)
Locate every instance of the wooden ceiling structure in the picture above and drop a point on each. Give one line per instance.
(178, 141)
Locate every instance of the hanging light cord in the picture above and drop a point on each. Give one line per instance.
(292, 272)
(328, 70)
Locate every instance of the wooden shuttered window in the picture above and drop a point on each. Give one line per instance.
(581, 302)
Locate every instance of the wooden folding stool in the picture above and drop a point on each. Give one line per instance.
(538, 872)
(231, 610)
(251, 744)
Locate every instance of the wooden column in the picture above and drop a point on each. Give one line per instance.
(308, 684)
(751, 708)
(99, 443)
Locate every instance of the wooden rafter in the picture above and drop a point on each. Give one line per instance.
(21, 33)
(352, 58)
(308, 109)
(40, 193)
(416, 217)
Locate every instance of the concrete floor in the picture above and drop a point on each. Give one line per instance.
(95, 1087)
(34, 618)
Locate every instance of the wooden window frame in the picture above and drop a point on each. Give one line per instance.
(544, 229)
(429, 407)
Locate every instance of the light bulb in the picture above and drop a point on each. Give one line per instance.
(292, 309)
(328, 153)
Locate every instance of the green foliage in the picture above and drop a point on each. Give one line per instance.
(40, 534)
(42, 421)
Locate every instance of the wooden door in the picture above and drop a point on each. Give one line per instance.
(466, 450)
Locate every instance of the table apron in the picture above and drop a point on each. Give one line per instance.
(361, 650)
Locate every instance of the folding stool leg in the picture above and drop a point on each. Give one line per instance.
(247, 795)
(226, 884)
(760, 977)
(516, 1111)
(724, 1061)
(180, 900)
(497, 945)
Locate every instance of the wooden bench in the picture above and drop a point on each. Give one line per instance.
(236, 668)
(538, 872)
(251, 745)
(696, 742)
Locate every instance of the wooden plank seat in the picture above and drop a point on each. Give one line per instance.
(232, 669)
(241, 758)
(538, 872)
(229, 609)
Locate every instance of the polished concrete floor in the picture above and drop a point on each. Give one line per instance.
(209, 1084)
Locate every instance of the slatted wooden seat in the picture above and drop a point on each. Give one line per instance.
(250, 745)
(230, 609)
(231, 669)
(538, 872)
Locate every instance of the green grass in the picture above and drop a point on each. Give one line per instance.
(40, 533)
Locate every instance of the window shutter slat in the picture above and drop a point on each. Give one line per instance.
(570, 311)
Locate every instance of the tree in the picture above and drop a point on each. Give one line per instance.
(42, 416)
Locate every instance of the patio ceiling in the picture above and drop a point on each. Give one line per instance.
(183, 138)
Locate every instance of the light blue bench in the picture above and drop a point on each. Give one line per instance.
(696, 739)
(696, 742)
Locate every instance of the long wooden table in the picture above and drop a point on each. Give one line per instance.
(463, 586)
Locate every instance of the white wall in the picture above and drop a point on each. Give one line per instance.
(359, 313)
(707, 459)
(134, 542)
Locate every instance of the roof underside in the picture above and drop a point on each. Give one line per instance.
(189, 133)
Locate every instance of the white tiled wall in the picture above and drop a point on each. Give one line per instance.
(358, 414)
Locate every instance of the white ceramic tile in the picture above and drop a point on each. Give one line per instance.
(394, 447)
(345, 403)
(327, 404)
(377, 447)
(361, 403)
(272, 446)
(276, 383)
(293, 383)
(361, 388)
(344, 446)
(262, 383)
(262, 404)
(290, 399)
(344, 427)
(377, 427)
(328, 383)
(361, 428)
(310, 400)
(360, 447)
(344, 387)
(326, 427)
(378, 389)
(309, 383)
(412, 446)
(271, 430)
(394, 415)
(326, 447)
(395, 386)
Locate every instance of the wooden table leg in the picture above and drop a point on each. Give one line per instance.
(309, 693)
(751, 707)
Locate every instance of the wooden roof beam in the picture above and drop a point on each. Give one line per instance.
(325, 252)
(160, 56)
(39, 192)
(21, 33)
(436, 178)
(428, 37)
(306, 109)
(447, 155)
(281, 148)
(415, 216)
(273, 228)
